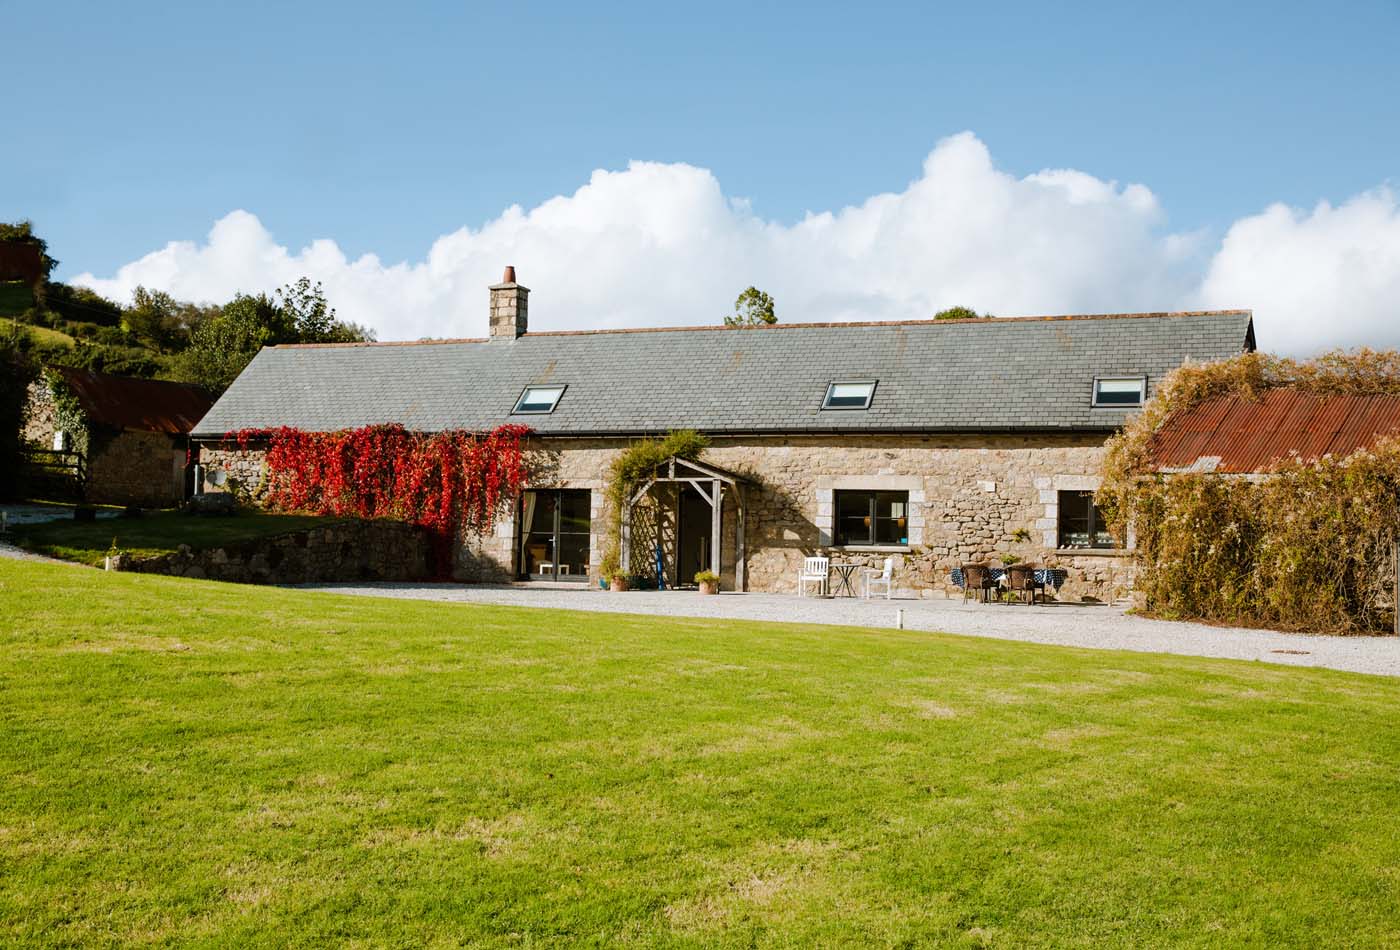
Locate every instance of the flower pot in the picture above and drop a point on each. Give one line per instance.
(709, 587)
(619, 583)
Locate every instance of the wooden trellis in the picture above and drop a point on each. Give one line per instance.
(711, 484)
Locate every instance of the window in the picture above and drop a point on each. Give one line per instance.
(538, 399)
(554, 534)
(1119, 391)
(1081, 522)
(872, 517)
(851, 395)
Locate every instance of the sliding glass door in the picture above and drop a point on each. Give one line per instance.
(554, 528)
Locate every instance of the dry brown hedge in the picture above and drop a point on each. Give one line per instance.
(1307, 547)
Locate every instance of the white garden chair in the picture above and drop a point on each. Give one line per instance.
(814, 571)
(883, 578)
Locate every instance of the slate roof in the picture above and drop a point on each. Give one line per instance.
(1000, 374)
(1232, 434)
(146, 405)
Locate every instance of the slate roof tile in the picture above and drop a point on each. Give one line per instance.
(972, 375)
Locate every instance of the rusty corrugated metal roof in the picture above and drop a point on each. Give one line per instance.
(147, 405)
(1239, 435)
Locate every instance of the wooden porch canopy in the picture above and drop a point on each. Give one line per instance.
(711, 484)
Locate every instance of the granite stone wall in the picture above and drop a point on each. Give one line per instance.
(972, 499)
(145, 469)
(40, 420)
(339, 551)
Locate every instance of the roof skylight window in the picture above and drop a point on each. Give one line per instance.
(849, 395)
(538, 400)
(1114, 392)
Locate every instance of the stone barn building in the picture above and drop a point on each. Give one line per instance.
(129, 437)
(937, 442)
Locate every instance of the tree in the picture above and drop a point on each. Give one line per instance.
(958, 313)
(223, 345)
(152, 318)
(313, 319)
(81, 305)
(752, 308)
(225, 342)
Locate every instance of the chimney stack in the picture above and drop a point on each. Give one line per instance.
(510, 308)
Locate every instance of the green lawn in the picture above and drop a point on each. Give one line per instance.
(155, 533)
(232, 766)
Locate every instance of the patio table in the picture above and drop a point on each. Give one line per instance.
(1048, 576)
(845, 580)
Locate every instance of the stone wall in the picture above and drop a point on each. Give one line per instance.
(972, 499)
(40, 416)
(145, 469)
(228, 469)
(340, 551)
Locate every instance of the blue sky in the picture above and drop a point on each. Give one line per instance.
(384, 127)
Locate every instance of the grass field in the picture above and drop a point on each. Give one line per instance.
(47, 335)
(155, 533)
(193, 762)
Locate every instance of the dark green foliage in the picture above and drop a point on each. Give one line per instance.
(117, 360)
(752, 308)
(81, 305)
(17, 370)
(16, 298)
(222, 345)
(958, 313)
(312, 319)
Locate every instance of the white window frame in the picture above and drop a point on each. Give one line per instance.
(831, 386)
(520, 409)
(1142, 392)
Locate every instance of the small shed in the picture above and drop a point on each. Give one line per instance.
(121, 440)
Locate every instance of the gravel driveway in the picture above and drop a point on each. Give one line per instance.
(1096, 626)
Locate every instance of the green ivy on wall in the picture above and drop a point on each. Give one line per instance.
(68, 413)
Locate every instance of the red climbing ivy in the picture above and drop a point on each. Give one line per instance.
(447, 482)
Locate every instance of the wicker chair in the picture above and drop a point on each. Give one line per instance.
(1021, 580)
(976, 578)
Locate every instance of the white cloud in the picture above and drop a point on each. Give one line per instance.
(661, 244)
(1315, 280)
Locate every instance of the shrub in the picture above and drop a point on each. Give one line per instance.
(1306, 547)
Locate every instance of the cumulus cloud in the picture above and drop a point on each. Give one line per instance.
(661, 244)
(1326, 278)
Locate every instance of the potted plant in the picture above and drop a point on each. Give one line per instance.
(1009, 559)
(619, 582)
(708, 581)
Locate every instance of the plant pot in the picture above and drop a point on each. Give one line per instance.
(619, 584)
(709, 587)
